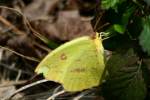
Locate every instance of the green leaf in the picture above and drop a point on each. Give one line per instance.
(144, 38)
(130, 9)
(146, 69)
(128, 12)
(135, 27)
(106, 4)
(125, 80)
(120, 19)
(119, 28)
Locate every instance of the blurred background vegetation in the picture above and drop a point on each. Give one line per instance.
(30, 29)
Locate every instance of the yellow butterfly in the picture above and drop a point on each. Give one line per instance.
(77, 65)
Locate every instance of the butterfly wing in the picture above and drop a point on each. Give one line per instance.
(77, 64)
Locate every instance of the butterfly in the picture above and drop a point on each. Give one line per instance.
(77, 64)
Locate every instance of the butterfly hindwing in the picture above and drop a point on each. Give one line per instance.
(77, 65)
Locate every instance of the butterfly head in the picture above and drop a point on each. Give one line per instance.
(98, 42)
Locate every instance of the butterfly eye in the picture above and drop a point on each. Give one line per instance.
(99, 34)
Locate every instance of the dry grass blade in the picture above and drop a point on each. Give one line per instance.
(14, 69)
(78, 97)
(37, 34)
(26, 57)
(56, 94)
(24, 87)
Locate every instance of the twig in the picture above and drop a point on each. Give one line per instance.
(26, 57)
(98, 20)
(104, 25)
(24, 88)
(37, 34)
(55, 95)
(8, 24)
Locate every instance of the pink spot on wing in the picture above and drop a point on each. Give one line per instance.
(63, 56)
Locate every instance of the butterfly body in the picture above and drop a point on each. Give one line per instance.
(77, 65)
